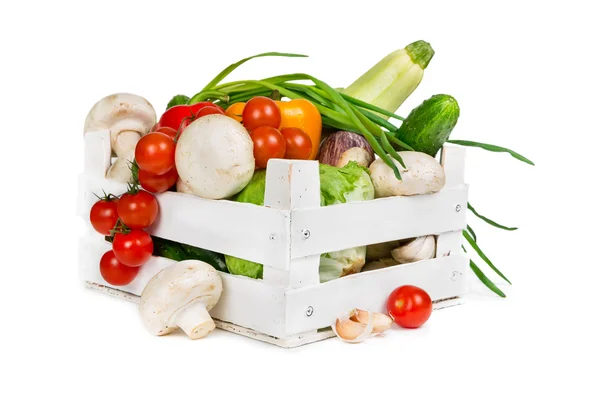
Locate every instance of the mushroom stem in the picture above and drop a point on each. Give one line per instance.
(125, 142)
(195, 321)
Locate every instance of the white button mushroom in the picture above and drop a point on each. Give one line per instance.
(423, 174)
(180, 296)
(215, 157)
(127, 116)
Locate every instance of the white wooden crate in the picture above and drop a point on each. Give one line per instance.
(289, 307)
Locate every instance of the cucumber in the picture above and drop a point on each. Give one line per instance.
(179, 251)
(428, 126)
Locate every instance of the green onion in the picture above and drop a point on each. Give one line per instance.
(489, 221)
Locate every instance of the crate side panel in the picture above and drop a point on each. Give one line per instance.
(441, 278)
(245, 302)
(355, 224)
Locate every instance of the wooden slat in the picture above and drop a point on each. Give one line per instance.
(245, 302)
(355, 224)
(441, 278)
(243, 230)
(97, 152)
(453, 161)
(236, 229)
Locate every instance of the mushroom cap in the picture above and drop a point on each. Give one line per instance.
(121, 112)
(173, 289)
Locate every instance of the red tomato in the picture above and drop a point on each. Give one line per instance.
(261, 111)
(185, 123)
(138, 210)
(103, 216)
(175, 115)
(298, 143)
(169, 131)
(114, 272)
(155, 153)
(268, 144)
(133, 248)
(409, 306)
(205, 111)
(158, 183)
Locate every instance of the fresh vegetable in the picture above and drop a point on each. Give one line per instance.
(358, 325)
(338, 185)
(297, 143)
(269, 143)
(428, 126)
(180, 296)
(115, 272)
(379, 264)
(175, 115)
(421, 248)
(180, 99)
(127, 116)
(304, 115)
(239, 266)
(336, 110)
(342, 147)
(214, 157)
(179, 251)
(261, 111)
(132, 247)
(423, 174)
(235, 111)
(120, 171)
(409, 306)
(169, 131)
(103, 214)
(381, 250)
(155, 153)
(389, 83)
(137, 209)
(158, 183)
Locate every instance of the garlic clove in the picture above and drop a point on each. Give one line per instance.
(351, 331)
(381, 322)
(421, 248)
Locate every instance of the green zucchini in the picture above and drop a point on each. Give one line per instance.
(428, 126)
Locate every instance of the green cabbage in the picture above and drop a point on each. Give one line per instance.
(338, 185)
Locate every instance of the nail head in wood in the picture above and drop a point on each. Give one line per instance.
(309, 311)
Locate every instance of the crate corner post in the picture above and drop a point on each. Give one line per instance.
(293, 185)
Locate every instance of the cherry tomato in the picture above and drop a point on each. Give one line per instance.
(235, 111)
(185, 123)
(409, 306)
(137, 210)
(158, 183)
(133, 248)
(103, 215)
(169, 131)
(155, 153)
(298, 143)
(268, 144)
(114, 272)
(261, 111)
(205, 111)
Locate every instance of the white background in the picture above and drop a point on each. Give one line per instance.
(526, 76)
